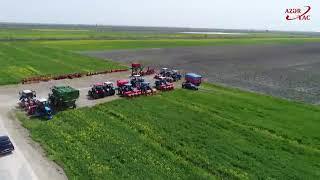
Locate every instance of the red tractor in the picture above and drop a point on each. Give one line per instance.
(97, 91)
(137, 69)
(163, 85)
(125, 89)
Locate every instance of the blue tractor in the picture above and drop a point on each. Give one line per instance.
(136, 81)
(41, 109)
(175, 75)
(146, 89)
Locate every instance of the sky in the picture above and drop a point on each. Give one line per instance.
(224, 14)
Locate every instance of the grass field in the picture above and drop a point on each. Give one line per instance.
(86, 45)
(51, 32)
(32, 58)
(213, 133)
(21, 60)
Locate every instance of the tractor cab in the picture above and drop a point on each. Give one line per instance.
(161, 81)
(109, 89)
(127, 87)
(136, 81)
(27, 94)
(43, 102)
(136, 69)
(164, 71)
(146, 88)
(108, 84)
(98, 87)
(175, 75)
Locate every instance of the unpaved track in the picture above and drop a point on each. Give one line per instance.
(28, 161)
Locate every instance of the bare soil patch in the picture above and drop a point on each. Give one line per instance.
(288, 71)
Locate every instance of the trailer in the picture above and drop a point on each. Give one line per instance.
(63, 97)
(192, 81)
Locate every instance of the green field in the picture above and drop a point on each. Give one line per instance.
(87, 45)
(52, 33)
(33, 58)
(21, 60)
(216, 132)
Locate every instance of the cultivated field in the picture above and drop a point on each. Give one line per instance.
(59, 32)
(214, 133)
(21, 60)
(289, 71)
(87, 45)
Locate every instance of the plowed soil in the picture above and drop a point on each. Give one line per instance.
(287, 71)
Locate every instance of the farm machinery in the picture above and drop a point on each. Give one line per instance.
(163, 85)
(146, 89)
(137, 69)
(170, 75)
(63, 97)
(192, 81)
(126, 89)
(101, 90)
(109, 88)
(136, 81)
(26, 98)
(40, 108)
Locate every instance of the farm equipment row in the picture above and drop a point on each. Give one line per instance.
(64, 97)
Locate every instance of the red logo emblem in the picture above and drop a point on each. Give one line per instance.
(298, 14)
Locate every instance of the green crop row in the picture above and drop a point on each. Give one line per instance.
(87, 45)
(22, 60)
(215, 132)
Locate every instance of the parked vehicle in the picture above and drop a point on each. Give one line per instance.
(188, 85)
(126, 89)
(136, 81)
(41, 108)
(26, 98)
(192, 81)
(175, 75)
(6, 145)
(63, 97)
(163, 85)
(137, 69)
(97, 91)
(146, 89)
(163, 73)
(109, 88)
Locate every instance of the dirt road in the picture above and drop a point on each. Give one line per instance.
(28, 161)
(288, 71)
